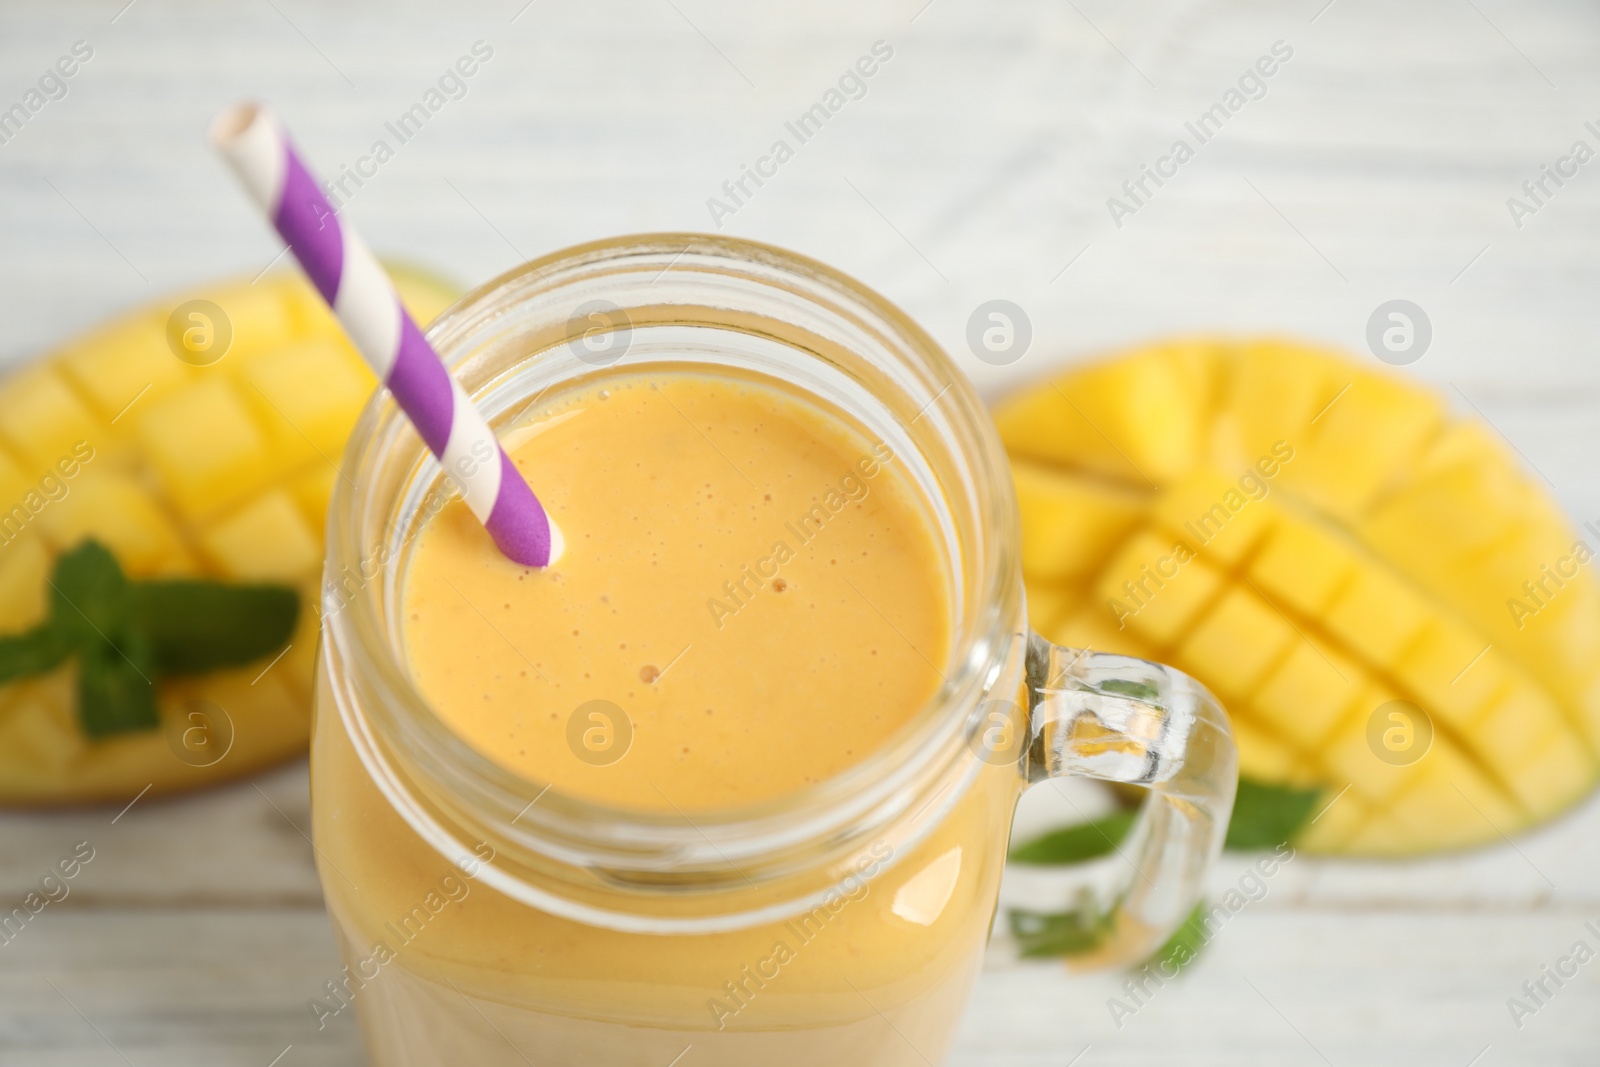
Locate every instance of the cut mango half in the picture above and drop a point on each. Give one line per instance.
(216, 468)
(1387, 604)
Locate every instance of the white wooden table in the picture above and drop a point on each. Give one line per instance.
(977, 165)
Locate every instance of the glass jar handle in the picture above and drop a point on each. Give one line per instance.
(1119, 719)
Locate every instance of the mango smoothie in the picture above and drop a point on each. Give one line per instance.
(750, 581)
(753, 599)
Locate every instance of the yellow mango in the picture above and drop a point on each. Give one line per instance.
(261, 319)
(1381, 835)
(1377, 615)
(120, 513)
(1441, 520)
(43, 420)
(307, 397)
(1156, 586)
(36, 727)
(1308, 692)
(1453, 801)
(1516, 728)
(1456, 669)
(1304, 564)
(1236, 642)
(1348, 757)
(1141, 416)
(125, 363)
(214, 471)
(312, 491)
(14, 489)
(1276, 389)
(1330, 830)
(1262, 755)
(1070, 523)
(1555, 776)
(1215, 514)
(268, 540)
(206, 447)
(1357, 442)
(1091, 628)
(1468, 445)
(1313, 540)
(24, 599)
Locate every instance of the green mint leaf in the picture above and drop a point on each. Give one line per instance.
(1266, 816)
(33, 652)
(126, 634)
(1076, 844)
(1184, 945)
(197, 626)
(1058, 933)
(116, 693)
(1127, 687)
(89, 595)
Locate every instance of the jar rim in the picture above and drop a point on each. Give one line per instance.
(599, 850)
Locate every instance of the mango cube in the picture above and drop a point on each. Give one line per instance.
(268, 540)
(307, 398)
(14, 488)
(1138, 419)
(312, 492)
(1304, 565)
(206, 447)
(1453, 802)
(1360, 440)
(1309, 692)
(1156, 587)
(42, 418)
(1554, 776)
(260, 320)
(1454, 670)
(1236, 643)
(125, 364)
(1276, 390)
(23, 597)
(1348, 757)
(117, 511)
(1220, 517)
(1378, 615)
(1070, 522)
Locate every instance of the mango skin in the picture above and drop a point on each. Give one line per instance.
(221, 471)
(1324, 546)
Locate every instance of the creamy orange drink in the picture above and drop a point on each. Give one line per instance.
(755, 594)
(731, 781)
(752, 584)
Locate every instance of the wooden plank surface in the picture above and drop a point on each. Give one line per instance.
(977, 165)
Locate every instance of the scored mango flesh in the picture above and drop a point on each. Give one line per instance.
(1313, 540)
(222, 471)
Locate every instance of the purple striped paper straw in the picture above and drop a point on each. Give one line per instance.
(345, 272)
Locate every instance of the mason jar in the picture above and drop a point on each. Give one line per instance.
(486, 919)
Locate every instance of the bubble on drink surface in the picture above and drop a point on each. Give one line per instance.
(599, 732)
(202, 735)
(199, 332)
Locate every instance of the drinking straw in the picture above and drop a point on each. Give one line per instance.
(253, 141)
